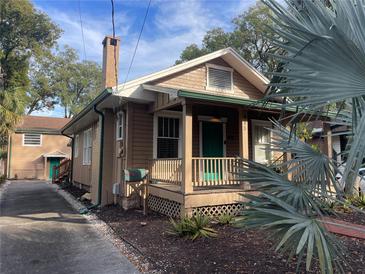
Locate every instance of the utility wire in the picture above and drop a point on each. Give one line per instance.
(139, 38)
(82, 31)
(115, 45)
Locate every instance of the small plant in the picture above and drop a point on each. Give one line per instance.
(193, 228)
(356, 201)
(2, 179)
(225, 219)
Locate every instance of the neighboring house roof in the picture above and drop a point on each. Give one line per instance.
(51, 125)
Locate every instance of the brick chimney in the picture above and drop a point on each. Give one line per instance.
(110, 61)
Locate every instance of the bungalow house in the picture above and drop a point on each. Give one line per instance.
(184, 124)
(35, 147)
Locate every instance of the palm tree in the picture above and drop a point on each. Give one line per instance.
(322, 65)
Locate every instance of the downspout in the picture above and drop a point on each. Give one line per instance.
(101, 154)
(72, 153)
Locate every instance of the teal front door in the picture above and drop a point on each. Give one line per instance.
(53, 162)
(212, 146)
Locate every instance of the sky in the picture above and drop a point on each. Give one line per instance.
(171, 25)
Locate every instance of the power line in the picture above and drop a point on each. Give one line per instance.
(139, 37)
(82, 31)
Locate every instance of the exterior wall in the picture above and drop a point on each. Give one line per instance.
(83, 174)
(27, 162)
(139, 141)
(109, 157)
(195, 78)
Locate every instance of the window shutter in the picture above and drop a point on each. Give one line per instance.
(220, 79)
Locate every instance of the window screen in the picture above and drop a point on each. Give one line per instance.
(168, 137)
(32, 139)
(219, 79)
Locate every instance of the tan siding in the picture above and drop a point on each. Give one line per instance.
(28, 162)
(83, 173)
(195, 79)
(140, 139)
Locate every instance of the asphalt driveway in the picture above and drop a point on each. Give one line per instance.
(41, 233)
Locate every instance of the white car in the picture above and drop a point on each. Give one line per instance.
(361, 174)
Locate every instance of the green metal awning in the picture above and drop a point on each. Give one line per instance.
(263, 104)
(230, 100)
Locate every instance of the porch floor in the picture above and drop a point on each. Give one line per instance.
(200, 190)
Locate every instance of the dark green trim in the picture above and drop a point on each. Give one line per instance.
(243, 102)
(230, 100)
(106, 92)
(101, 154)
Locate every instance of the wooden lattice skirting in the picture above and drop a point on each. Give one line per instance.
(164, 206)
(217, 210)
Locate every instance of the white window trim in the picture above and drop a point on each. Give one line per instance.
(117, 126)
(168, 114)
(208, 87)
(88, 162)
(32, 145)
(77, 146)
(263, 123)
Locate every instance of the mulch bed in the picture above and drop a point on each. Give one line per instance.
(232, 251)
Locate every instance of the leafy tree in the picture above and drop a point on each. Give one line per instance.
(41, 93)
(323, 66)
(24, 32)
(252, 37)
(76, 83)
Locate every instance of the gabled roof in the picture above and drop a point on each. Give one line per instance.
(228, 54)
(41, 124)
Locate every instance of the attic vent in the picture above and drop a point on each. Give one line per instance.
(219, 78)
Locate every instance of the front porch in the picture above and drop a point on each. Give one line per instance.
(202, 179)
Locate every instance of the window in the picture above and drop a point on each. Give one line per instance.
(87, 147)
(120, 126)
(76, 146)
(261, 141)
(32, 139)
(167, 137)
(219, 78)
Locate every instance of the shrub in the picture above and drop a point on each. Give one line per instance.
(193, 228)
(2, 179)
(225, 219)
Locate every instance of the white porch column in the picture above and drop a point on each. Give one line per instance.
(243, 133)
(187, 149)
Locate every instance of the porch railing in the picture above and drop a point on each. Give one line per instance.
(166, 170)
(209, 172)
(61, 171)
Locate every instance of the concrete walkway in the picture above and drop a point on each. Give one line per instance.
(41, 233)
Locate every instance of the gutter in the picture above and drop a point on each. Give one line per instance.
(106, 92)
(101, 154)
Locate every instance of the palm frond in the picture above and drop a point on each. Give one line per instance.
(264, 179)
(295, 233)
(307, 165)
(324, 64)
